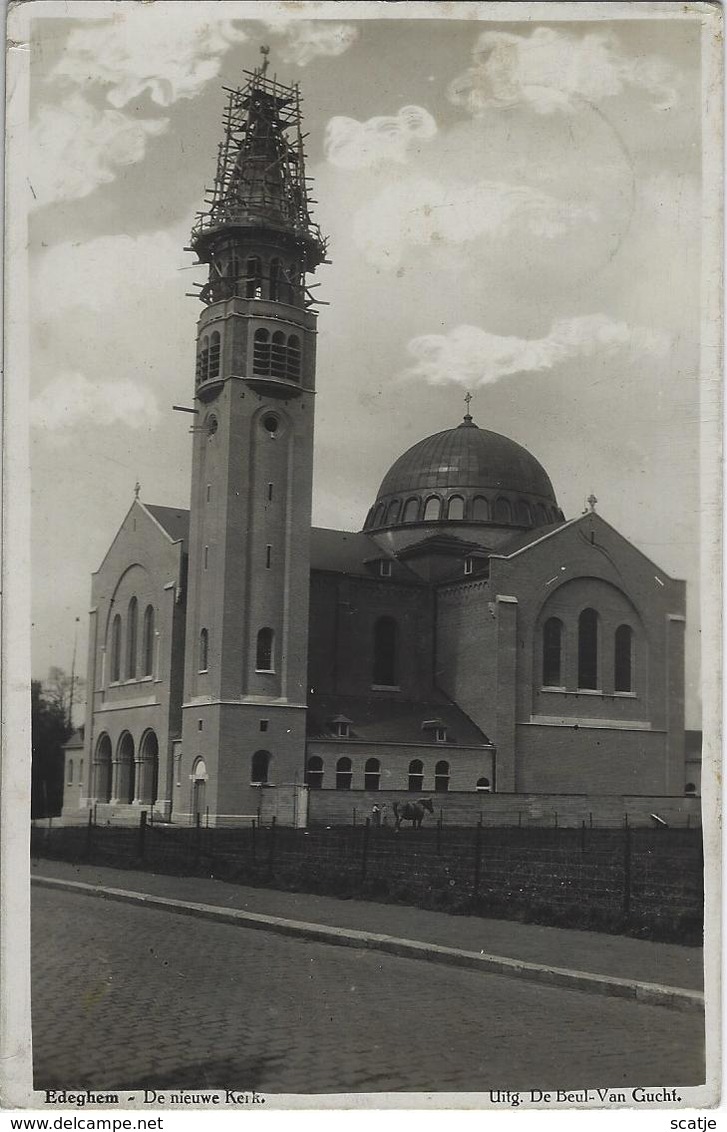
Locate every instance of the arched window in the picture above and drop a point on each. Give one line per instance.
(260, 767)
(203, 359)
(116, 649)
(690, 788)
(293, 357)
(480, 509)
(379, 514)
(623, 659)
(275, 278)
(416, 775)
(261, 352)
(503, 511)
(147, 645)
(432, 509)
(483, 786)
(344, 774)
(552, 646)
(253, 278)
(588, 649)
(278, 354)
(214, 365)
(411, 511)
(441, 777)
(541, 514)
(372, 774)
(131, 625)
(392, 512)
(314, 772)
(203, 650)
(455, 507)
(264, 653)
(385, 633)
(102, 770)
(524, 515)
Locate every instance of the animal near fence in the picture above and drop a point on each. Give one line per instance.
(648, 881)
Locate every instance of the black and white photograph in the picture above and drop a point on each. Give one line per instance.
(361, 619)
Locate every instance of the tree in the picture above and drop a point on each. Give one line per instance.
(50, 727)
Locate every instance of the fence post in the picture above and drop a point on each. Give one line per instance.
(583, 835)
(555, 823)
(354, 817)
(365, 848)
(89, 833)
(478, 855)
(627, 869)
(142, 834)
(439, 834)
(197, 836)
(271, 854)
(590, 820)
(519, 818)
(252, 840)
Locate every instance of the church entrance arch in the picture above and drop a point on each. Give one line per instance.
(102, 770)
(125, 770)
(199, 778)
(148, 785)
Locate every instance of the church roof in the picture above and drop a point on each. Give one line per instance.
(377, 719)
(467, 457)
(173, 520)
(352, 552)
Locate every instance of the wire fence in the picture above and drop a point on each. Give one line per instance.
(642, 881)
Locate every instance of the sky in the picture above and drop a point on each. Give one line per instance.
(513, 209)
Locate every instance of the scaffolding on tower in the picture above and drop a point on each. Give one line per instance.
(260, 185)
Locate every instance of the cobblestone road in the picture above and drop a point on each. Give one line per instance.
(127, 998)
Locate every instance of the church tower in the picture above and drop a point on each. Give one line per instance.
(246, 645)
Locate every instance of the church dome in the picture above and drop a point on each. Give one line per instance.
(465, 475)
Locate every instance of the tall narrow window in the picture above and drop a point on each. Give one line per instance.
(261, 352)
(503, 511)
(131, 626)
(623, 659)
(385, 632)
(416, 775)
(116, 649)
(292, 360)
(344, 774)
(480, 509)
(372, 774)
(552, 646)
(203, 650)
(260, 768)
(314, 772)
(411, 511)
(268, 557)
(253, 278)
(264, 653)
(275, 277)
(441, 777)
(278, 355)
(204, 358)
(588, 649)
(455, 507)
(214, 363)
(70, 772)
(147, 646)
(206, 557)
(432, 509)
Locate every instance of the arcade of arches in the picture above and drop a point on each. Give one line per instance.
(131, 775)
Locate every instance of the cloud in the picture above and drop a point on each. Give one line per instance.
(306, 40)
(71, 399)
(75, 147)
(471, 356)
(350, 144)
(551, 70)
(422, 212)
(148, 49)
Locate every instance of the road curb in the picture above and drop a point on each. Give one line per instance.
(652, 994)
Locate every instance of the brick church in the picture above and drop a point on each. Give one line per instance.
(468, 641)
